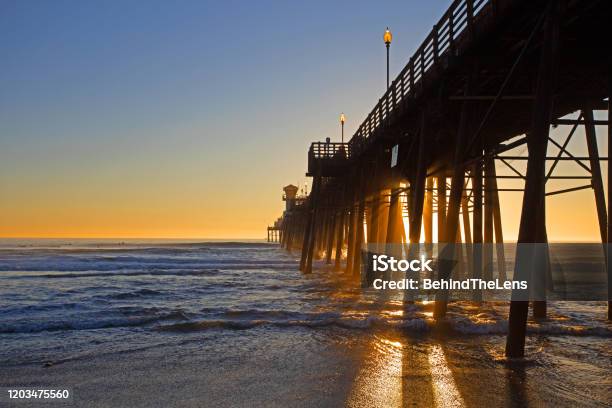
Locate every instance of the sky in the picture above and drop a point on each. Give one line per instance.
(158, 119)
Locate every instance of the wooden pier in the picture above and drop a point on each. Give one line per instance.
(275, 233)
(486, 84)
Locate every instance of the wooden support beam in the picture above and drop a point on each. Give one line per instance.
(383, 216)
(352, 227)
(569, 190)
(331, 237)
(284, 227)
(428, 211)
(418, 187)
(395, 222)
(497, 223)
(571, 122)
(609, 226)
(543, 280)
(518, 173)
(459, 253)
(448, 224)
(313, 209)
(372, 220)
(532, 214)
(467, 232)
(488, 220)
(596, 180)
(302, 236)
(562, 149)
(322, 227)
(339, 239)
(287, 224)
(477, 224)
(359, 237)
(609, 229)
(496, 150)
(441, 201)
(293, 230)
(571, 158)
(305, 236)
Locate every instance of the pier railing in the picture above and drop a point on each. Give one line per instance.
(326, 157)
(458, 19)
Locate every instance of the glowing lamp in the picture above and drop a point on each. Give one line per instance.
(387, 37)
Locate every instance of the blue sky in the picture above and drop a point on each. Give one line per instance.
(104, 104)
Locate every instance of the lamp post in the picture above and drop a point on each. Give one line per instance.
(342, 119)
(387, 37)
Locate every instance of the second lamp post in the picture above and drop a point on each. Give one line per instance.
(387, 37)
(342, 119)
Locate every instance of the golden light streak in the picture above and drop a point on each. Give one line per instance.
(445, 390)
(379, 381)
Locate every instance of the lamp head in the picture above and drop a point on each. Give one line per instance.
(387, 37)
(342, 118)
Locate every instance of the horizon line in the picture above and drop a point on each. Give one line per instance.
(135, 238)
(233, 239)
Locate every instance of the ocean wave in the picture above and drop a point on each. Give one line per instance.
(575, 330)
(119, 272)
(276, 314)
(73, 264)
(136, 294)
(52, 245)
(210, 324)
(495, 325)
(482, 324)
(416, 322)
(45, 307)
(20, 327)
(414, 326)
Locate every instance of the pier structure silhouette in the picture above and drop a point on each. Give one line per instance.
(483, 90)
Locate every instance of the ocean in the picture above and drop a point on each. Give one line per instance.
(163, 323)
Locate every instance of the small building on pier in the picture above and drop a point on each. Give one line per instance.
(292, 202)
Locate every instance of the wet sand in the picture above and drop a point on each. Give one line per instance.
(335, 367)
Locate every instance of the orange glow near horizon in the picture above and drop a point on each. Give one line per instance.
(63, 214)
(95, 210)
(171, 201)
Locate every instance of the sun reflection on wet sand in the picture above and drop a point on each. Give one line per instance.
(394, 371)
(445, 390)
(379, 382)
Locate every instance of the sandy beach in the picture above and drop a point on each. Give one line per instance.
(304, 367)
